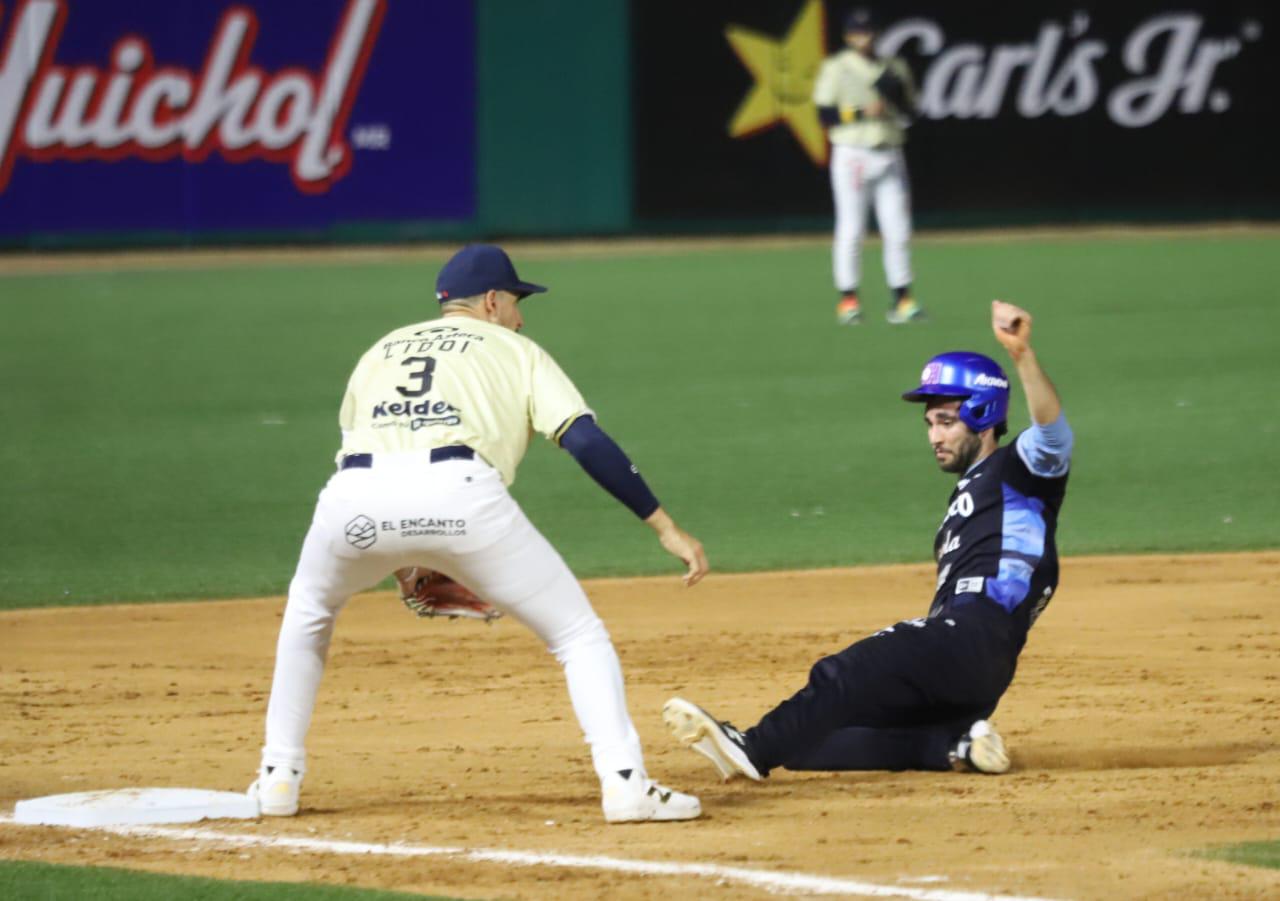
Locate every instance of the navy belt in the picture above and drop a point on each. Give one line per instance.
(438, 454)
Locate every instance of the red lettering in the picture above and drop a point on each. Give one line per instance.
(133, 108)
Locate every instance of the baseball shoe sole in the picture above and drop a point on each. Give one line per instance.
(717, 741)
(629, 798)
(276, 790)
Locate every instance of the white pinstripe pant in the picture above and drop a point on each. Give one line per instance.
(859, 176)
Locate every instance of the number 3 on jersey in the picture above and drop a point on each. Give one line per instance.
(423, 376)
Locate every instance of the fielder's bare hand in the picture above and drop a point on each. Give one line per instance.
(1012, 327)
(679, 543)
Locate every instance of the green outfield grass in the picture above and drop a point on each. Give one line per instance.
(167, 431)
(54, 882)
(1254, 854)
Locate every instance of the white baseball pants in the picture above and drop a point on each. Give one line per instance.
(455, 516)
(859, 175)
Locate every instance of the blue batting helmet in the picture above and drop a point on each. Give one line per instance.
(977, 379)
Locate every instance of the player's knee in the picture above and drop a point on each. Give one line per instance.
(586, 635)
(308, 613)
(306, 631)
(827, 671)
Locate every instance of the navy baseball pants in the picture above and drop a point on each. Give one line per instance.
(897, 700)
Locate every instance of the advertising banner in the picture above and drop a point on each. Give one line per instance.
(1054, 108)
(258, 115)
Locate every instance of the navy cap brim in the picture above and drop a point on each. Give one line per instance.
(524, 289)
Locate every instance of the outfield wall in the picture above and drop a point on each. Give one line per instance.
(189, 121)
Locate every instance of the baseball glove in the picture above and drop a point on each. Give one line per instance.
(893, 89)
(429, 593)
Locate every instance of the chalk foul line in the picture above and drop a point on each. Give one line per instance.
(773, 882)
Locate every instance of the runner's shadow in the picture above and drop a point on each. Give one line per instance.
(1032, 757)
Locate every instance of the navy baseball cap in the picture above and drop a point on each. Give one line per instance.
(478, 268)
(861, 18)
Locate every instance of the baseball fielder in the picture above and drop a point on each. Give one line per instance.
(917, 694)
(866, 102)
(436, 418)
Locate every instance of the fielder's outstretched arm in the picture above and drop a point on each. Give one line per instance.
(602, 459)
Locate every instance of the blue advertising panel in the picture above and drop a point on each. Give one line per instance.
(206, 115)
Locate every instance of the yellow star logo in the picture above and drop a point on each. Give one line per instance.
(784, 71)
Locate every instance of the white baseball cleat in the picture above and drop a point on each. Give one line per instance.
(633, 798)
(276, 791)
(982, 750)
(715, 740)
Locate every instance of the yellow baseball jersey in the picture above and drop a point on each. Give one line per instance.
(456, 380)
(845, 82)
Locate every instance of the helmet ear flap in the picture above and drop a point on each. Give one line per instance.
(975, 415)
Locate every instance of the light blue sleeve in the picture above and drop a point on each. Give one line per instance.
(1046, 449)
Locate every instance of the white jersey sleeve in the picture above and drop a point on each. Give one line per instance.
(554, 401)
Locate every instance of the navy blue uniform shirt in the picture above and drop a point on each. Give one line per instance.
(996, 545)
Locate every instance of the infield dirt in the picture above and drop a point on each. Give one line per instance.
(1144, 723)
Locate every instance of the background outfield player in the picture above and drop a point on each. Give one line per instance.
(435, 420)
(916, 695)
(866, 102)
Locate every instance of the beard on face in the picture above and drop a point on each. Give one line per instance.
(966, 453)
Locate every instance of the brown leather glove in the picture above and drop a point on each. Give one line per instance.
(429, 593)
